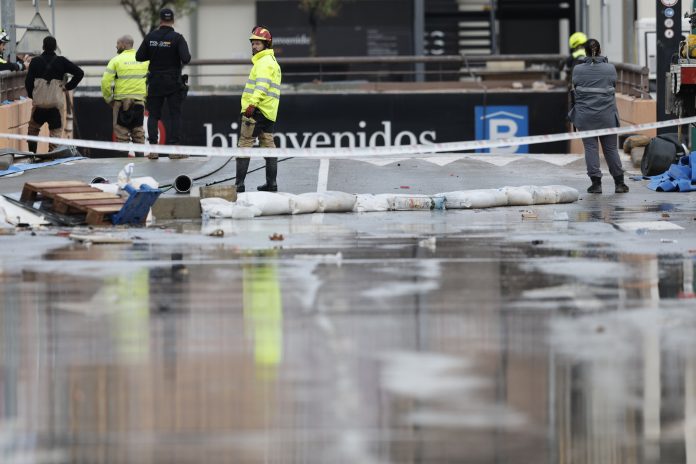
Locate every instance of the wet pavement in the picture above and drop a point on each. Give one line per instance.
(417, 337)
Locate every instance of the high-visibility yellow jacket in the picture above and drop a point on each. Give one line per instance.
(262, 90)
(125, 77)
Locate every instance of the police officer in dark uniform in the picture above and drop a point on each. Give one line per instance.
(167, 52)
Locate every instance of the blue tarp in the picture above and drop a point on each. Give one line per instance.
(680, 177)
(15, 168)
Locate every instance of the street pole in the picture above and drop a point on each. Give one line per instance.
(419, 36)
(668, 36)
(8, 23)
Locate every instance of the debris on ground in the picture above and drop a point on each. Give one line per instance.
(217, 233)
(100, 239)
(529, 215)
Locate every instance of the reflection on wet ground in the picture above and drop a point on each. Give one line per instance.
(432, 345)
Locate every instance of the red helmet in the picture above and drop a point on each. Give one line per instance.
(263, 34)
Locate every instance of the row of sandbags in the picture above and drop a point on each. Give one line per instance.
(252, 204)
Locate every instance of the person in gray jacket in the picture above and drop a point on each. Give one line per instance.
(594, 85)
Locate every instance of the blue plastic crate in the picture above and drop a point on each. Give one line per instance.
(137, 207)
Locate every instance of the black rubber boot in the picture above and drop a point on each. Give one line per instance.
(271, 174)
(596, 186)
(267, 188)
(620, 187)
(241, 172)
(32, 146)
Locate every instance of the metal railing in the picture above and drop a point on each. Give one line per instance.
(12, 85)
(633, 80)
(387, 68)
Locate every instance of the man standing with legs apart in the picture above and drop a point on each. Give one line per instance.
(44, 84)
(260, 101)
(594, 84)
(124, 87)
(167, 52)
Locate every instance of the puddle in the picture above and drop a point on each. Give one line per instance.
(344, 345)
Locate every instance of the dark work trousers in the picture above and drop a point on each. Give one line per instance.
(611, 154)
(154, 108)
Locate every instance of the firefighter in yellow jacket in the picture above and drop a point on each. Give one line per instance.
(260, 101)
(124, 87)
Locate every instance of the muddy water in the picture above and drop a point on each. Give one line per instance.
(378, 349)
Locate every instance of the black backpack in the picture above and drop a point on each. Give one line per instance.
(660, 154)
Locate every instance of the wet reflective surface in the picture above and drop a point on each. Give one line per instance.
(451, 337)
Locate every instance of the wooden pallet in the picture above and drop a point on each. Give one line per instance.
(73, 198)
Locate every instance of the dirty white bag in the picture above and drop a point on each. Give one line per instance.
(220, 208)
(565, 194)
(333, 202)
(300, 204)
(108, 188)
(124, 175)
(406, 202)
(136, 182)
(270, 203)
(368, 202)
(544, 195)
(470, 199)
(519, 196)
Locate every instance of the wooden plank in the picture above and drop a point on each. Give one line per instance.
(50, 184)
(56, 190)
(65, 207)
(97, 215)
(105, 208)
(86, 196)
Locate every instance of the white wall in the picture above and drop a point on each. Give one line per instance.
(605, 20)
(87, 30)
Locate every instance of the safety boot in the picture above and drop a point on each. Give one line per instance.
(596, 186)
(619, 186)
(240, 173)
(271, 174)
(267, 188)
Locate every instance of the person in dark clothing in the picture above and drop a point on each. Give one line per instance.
(4, 65)
(167, 52)
(594, 85)
(49, 67)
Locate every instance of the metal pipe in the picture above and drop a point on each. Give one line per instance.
(183, 184)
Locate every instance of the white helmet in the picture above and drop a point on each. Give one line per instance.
(4, 38)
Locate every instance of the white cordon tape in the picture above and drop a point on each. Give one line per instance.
(409, 151)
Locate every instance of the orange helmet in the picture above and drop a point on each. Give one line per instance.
(263, 34)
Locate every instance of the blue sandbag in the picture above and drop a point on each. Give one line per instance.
(680, 177)
(667, 186)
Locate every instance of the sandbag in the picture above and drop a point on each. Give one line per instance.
(220, 208)
(565, 194)
(406, 202)
(544, 195)
(333, 202)
(300, 204)
(635, 141)
(467, 199)
(368, 202)
(660, 153)
(270, 203)
(519, 196)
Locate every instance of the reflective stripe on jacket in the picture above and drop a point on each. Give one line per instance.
(594, 83)
(262, 89)
(124, 78)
